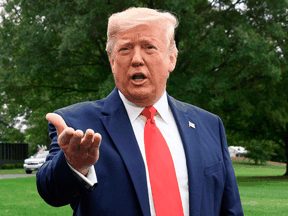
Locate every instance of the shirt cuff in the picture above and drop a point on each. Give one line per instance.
(90, 182)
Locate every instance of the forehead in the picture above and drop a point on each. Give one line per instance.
(141, 33)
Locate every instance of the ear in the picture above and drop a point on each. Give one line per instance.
(172, 62)
(112, 61)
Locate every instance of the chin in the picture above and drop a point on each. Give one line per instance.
(143, 99)
(139, 96)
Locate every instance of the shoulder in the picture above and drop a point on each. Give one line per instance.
(193, 110)
(196, 114)
(82, 107)
(82, 113)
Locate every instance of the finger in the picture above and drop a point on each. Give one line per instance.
(94, 148)
(57, 121)
(65, 137)
(75, 141)
(87, 140)
(97, 140)
(93, 151)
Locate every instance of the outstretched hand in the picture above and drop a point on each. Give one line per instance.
(80, 152)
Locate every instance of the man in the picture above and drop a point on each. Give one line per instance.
(185, 170)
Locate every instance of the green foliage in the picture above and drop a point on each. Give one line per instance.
(7, 120)
(260, 151)
(8, 166)
(18, 165)
(12, 166)
(233, 62)
(279, 155)
(64, 63)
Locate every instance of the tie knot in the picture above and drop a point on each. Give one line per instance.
(149, 112)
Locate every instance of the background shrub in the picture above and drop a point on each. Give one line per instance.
(18, 165)
(8, 166)
(260, 151)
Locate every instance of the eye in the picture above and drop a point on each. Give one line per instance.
(150, 48)
(124, 50)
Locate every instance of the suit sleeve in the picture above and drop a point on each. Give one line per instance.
(56, 183)
(231, 202)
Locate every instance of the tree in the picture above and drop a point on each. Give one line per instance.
(8, 132)
(236, 67)
(53, 55)
(232, 60)
(260, 151)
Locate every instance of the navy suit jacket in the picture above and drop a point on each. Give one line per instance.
(122, 187)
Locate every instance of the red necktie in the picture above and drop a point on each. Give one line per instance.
(163, 180)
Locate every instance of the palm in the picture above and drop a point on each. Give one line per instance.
(80, 152)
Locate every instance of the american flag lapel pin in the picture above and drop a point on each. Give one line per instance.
(192, 125)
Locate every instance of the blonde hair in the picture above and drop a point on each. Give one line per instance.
(133, 17)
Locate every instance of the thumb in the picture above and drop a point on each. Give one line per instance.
(57, 121)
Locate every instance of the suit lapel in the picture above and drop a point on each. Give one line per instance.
(117, 123)
(193, 153)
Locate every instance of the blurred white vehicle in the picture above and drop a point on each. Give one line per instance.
(35, 161)
(236, 150)
(232, 151)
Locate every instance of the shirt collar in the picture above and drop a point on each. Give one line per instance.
(134, 110)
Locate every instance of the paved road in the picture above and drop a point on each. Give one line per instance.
(7, 176)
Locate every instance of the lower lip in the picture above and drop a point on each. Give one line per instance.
(139, 82)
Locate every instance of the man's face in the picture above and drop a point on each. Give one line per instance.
(141, 64)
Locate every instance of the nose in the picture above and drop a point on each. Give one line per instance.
(137, 59)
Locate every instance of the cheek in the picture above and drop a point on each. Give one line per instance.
(120, 74)
(122, 65)
(119, 82)
(160, 70)
(158, 76)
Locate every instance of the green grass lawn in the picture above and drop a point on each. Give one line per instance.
(263, 189)
(19, 197)
(13, 171)
(263, 192)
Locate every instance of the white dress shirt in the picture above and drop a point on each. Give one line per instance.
(165, 122)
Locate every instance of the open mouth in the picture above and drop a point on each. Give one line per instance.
(139, 77)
